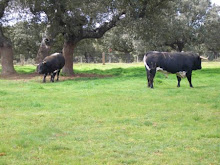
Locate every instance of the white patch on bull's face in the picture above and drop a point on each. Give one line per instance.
(181, 74)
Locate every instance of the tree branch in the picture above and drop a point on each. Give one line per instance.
(3, 5)
(143, 10)
(99, 32)
(4, 41)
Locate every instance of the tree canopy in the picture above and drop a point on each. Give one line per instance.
(133, 26)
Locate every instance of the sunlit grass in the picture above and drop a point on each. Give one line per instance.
(112, 120)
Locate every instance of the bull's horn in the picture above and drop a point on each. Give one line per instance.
(203, 58)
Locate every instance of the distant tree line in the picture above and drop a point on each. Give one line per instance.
(124, 30)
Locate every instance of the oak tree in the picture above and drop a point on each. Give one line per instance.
(6, 51)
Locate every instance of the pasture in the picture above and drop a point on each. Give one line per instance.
(110, 119)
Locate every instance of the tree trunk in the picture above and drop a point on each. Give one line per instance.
(215, 55)
(110, 58)
(43, 52)
(6, 53)
(180, 47)
(128, 57)
(86, 57)
(103, 58)
(68, 49)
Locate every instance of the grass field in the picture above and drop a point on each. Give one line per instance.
(111, 120)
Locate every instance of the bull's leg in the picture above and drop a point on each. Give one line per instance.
(179, 79)
(189, 75)
(151, 77)
(45, 75)
(148, 76)
(58, 73)
(52, 76)
(148, 82)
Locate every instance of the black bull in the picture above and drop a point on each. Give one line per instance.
(182, 64)
(51, 65)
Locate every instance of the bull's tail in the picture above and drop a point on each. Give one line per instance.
(145, 63)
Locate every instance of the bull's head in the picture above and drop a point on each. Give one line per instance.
(41, 68)
(197, 62)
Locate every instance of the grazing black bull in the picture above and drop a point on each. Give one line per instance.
(182, 64)
(51, 65)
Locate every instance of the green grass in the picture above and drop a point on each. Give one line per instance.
(112, 120)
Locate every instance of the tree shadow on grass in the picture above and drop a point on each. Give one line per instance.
(27, 73)
(132, 72)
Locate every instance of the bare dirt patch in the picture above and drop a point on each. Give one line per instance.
(18, 76)
(30, 76)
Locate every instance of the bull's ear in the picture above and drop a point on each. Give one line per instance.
(203, 58)
(44, 62)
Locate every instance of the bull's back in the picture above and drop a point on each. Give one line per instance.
(60, 61)
(171, 62)
(55, 61)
